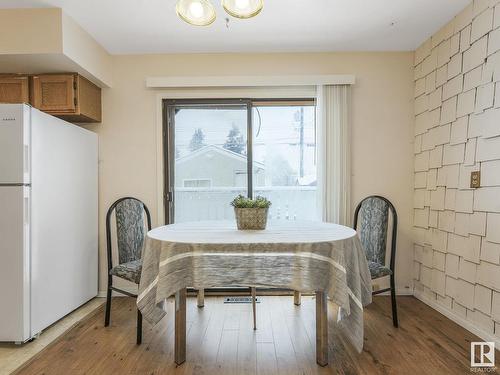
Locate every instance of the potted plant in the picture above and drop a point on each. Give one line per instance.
(251, 213)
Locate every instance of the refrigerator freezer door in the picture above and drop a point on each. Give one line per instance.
(14, 144)
(14, 263)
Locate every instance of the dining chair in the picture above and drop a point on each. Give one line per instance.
(371, 220)
(130, 234)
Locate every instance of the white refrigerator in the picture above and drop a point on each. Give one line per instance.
(48, 220)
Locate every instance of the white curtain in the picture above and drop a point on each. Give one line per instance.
(333, 140)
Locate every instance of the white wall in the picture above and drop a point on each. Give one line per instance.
(457, 130)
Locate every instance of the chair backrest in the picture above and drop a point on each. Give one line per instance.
(371, 220)
(130, 229)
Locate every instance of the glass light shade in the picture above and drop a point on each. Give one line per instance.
(243, 8)
(196, 12)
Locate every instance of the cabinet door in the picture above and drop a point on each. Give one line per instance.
(55, 93)
(14, 90)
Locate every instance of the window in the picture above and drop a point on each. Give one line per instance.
(284, 155)
(211, 146)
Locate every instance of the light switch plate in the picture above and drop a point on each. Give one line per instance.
(475, 179)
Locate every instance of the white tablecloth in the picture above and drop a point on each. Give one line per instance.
(303, 256)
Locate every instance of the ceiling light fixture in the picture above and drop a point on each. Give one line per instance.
(196, 12)
(243, 8)
(202, 12)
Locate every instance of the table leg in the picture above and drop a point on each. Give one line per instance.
(201, 297)
(321, 329)
(254, 306)
(180, 327)
(297, 298)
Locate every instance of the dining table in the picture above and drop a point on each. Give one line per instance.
(305, 256)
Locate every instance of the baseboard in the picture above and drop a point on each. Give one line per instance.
(399, 292)
(468, 325)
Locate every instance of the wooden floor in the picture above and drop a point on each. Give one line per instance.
(221, 341)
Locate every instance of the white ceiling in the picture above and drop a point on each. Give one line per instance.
(151, 26)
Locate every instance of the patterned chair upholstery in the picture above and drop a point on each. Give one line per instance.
(130, 271)
(372, 223)
(132, 220)
(130, 233)
(371, 220)
(377, 270)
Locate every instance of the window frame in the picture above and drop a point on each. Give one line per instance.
(169, 111)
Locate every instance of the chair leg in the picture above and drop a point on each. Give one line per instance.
(139, 327)
(394, 305)
(254, 306)
(201, 297)
(297, 298)
(108, 306)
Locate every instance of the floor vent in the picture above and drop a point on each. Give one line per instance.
(240, 300)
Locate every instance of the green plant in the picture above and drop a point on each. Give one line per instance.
(243, 202)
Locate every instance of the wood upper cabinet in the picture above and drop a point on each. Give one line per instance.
(54, 93)
(14, 89)
(68, 96)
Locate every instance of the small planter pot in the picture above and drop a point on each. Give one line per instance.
(251, 218)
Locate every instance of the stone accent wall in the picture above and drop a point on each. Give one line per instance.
(457, 131)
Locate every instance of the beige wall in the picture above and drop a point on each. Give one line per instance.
(457, 130)
(46, 40)
(29, 31)
(80, 47)
(382, 125)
